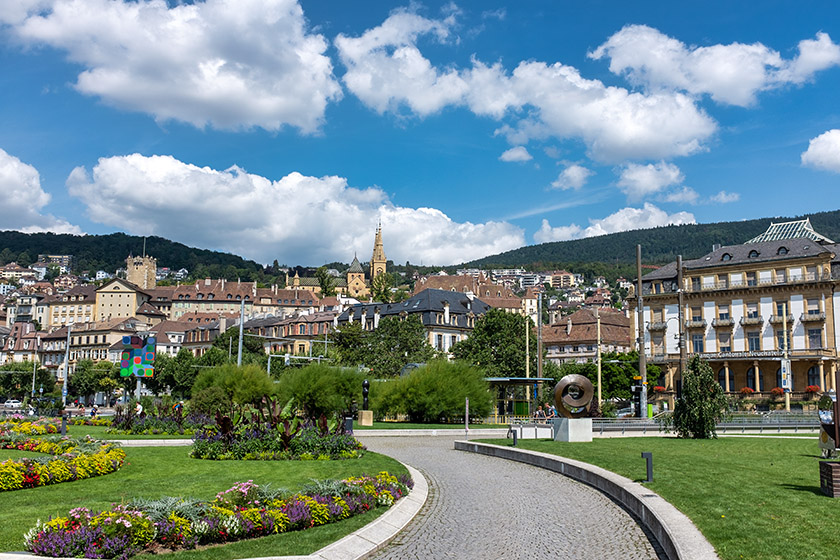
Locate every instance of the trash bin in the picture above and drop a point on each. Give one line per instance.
(348, 424)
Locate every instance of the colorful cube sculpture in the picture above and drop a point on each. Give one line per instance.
(138, 357)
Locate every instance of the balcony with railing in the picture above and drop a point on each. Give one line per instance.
(658, 326)
(752, 283)
(752, 320)
(812, 317)
(695, 324)
(779, 319)
(723, 322)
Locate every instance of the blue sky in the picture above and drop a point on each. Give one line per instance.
(288, 130)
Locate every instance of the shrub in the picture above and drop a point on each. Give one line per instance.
(241, 384)
(210, 400)
(435, 393)
(318, 389)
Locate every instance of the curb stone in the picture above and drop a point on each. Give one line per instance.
(678, 536)
(355, 546)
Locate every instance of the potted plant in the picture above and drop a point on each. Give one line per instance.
(811, 391)
(659, 389)
(747, 391)
(777, 392)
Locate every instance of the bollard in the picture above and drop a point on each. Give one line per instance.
(514, 437)
(64, 423)
(648, 457)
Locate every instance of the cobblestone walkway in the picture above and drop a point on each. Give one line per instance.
(485, 508)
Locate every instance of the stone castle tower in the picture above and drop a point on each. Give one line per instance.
(141, 271)
(378, 262)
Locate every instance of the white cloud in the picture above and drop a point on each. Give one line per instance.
(387, 71)
(23, 199)
(638, 181)
(824, 152)
(232, 64)
(296, 219)
(573, 177)
(385, 68)
(731, 74)
(685, 195)
(724, 197)
(625, 219)
(547, 234)
(518, 153)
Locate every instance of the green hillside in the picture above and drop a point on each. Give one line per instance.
(108, 252)
(659, 245)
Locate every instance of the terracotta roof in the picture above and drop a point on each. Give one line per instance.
(615, 328)
(147, 309)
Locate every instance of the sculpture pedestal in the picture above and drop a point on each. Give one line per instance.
(573, 429)
(365, 418)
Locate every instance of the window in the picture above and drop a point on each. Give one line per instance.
(779, 378)
(754, 341)
(301, 329)
(751, 379)
(723, 311)
(726, 257)
(439, 340)
(723, 281)
(811, 273)
(725, 342)
(780, 340)
(813, 306)
(453, 340)
(782, 251)
(697, 343)
(814, 338)
(782, 308)
(753, 254)
(695, 284)
(751, 279)
(814, 375)
(752, 310)
(696, 313)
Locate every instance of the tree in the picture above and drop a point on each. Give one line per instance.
(326, 281)
(241, 384)
(497, 344)
(702, 405)
(16, 379)
(385, 350)
(228, 341)
(435, 392)
(24, 259)
(320, 389)
(380, 287)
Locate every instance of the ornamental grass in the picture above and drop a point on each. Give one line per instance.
(244, 511)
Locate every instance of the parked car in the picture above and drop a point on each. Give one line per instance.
(12, 403)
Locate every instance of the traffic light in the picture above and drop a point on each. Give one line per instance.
(636, 390)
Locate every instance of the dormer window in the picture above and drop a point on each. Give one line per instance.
(782, 251)
(229, 296)
(238, 298)
(726, 257)
(753, 254)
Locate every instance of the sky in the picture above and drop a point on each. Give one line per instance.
(289, 130)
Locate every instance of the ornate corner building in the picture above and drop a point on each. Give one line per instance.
(740, 303)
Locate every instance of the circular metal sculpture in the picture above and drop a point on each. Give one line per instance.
(573, 396)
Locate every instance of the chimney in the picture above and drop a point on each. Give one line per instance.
(223, 283)
(569, 327)
(715, 246)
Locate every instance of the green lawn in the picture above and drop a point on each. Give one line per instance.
(415, 426)
(15, 454)
(755, 498)
(99, 432)
(167, 471)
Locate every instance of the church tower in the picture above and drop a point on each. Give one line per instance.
(378, 262)
(141, 271)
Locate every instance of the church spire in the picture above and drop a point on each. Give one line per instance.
(378, 261)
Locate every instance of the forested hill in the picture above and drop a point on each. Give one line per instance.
(108, 252)
(659, 245)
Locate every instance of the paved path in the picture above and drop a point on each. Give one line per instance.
(486, 508)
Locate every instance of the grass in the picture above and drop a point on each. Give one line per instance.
(756, 498)
(416, 426)
(99, 432)
(15, 454)
(153, 472)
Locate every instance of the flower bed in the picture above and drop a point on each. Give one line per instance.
(166, 422)
(71, 459)
(28, 427)
(244, 511)
(262, 442)
(90, 421)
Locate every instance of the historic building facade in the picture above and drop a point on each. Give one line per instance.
(740, 303)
